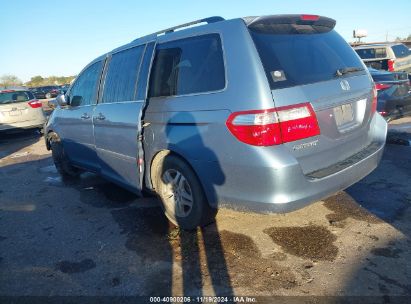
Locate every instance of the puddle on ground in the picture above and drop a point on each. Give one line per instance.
(75, 267)
(310, 242)
(228, 259)
(344, 206)
(234, 259)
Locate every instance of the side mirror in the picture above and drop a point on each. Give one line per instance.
(61, 100)
(76, 101)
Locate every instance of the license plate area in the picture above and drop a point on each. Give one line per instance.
(15, 113)
(343, 114)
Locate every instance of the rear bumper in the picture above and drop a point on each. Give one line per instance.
(33, 124)
(286, 188)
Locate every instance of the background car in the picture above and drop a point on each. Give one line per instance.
(19, 109)
(38, 93)
(63, 88)
(394, 93)
(391, 57)
(46, 92)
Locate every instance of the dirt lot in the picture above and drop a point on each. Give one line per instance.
(90, 237)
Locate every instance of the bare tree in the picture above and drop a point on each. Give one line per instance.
(10, 81)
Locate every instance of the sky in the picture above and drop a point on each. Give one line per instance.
(56, 37)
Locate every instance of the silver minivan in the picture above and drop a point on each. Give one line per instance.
(263, 113)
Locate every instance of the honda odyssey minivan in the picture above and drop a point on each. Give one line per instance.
(263, 113)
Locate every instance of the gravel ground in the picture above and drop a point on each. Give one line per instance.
(90, 237)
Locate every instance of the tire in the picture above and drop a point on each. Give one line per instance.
(61, 162)
(48, 95)
(183, 199)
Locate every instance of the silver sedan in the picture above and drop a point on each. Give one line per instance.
(19, 109)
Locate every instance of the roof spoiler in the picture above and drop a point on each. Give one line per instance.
(290, 24)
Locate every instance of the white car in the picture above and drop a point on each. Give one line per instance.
(392, 57)
(19, 109)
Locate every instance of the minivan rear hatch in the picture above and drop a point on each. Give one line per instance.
(307, 62)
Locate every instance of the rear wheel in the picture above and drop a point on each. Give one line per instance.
(60, 159)
(182, 196)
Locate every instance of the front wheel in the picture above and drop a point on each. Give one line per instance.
(182, 195)
(60, 159)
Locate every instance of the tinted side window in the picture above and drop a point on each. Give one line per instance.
(400, 51)
(85, 88)
(186, 66)
(121, 77)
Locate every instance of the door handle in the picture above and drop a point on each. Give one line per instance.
(85, 116)
(100, 117)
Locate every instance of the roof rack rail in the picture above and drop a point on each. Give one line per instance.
(172, 29)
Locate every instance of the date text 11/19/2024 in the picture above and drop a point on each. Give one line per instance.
(203, 299)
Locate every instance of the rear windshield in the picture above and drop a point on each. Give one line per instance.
(17, 96)
(372, 53)
(401, 51)
(298, 59)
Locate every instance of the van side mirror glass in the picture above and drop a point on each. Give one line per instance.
(60, 100)
(76, 101)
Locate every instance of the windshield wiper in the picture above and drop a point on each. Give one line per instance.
(343, 71)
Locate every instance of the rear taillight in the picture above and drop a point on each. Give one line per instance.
(391, 65)
(382, 86)
(374, 100)
(274, 126)
(35, 103)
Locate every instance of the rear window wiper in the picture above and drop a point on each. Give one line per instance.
(343, 71)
